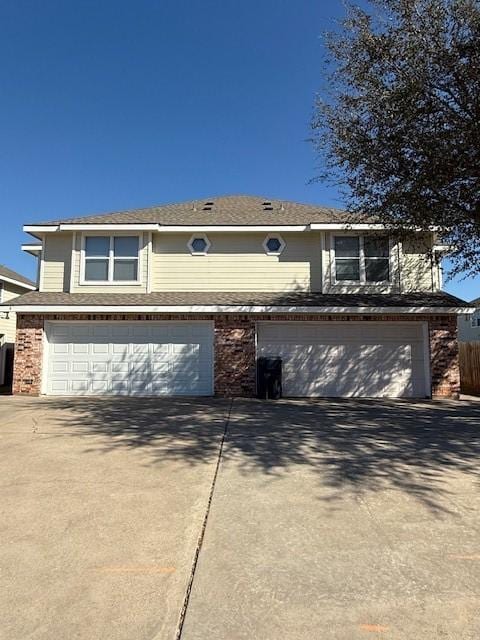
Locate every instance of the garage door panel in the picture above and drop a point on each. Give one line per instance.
(99, 367)
(347, 359)
(79, 386)
(128, 358)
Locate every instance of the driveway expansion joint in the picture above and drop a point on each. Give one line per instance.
(203, 528)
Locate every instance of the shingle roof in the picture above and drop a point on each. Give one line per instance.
(13, 275)
(423, 299)
(224, 210)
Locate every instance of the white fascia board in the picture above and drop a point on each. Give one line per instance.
(334, 226)
(108, 227)
(345, 226)
(242, 228)
(18, 283)
(235, 309)
(442, 248)
(32, 249)
(36, 228)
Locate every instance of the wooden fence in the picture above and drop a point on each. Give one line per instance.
(470, 367)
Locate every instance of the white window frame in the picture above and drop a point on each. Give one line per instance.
(361, 257)
(274, 236)
(111, 260)
(475, 320)
(199, 236)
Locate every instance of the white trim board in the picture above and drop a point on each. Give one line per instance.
(72, 309)
(18, 283)
(175, 228)
(32, 249)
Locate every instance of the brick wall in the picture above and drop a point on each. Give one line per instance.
(27, 368)
(234, 342)
(444, 363)
(235, 366)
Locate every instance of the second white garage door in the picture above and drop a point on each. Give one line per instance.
(129, 358)
(346, 359)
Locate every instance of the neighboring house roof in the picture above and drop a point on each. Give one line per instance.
(436, 300)
(8, 275)
(224, 210)
(475, 303)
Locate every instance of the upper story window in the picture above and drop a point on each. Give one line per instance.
(199, 245)
(111, 258)
(476, 319)
(273, 245)
(362, 259)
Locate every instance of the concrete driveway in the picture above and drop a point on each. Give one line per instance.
(205, 519)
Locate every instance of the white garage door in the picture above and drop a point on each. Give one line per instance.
(129, 358)
(342, 359)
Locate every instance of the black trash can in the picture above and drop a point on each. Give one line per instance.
(269, 378)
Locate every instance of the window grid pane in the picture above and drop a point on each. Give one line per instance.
(97, 246)
(375, 247)
(347, 247)
(96, 270)
(125, 247)
(125, 269)
(347, 269)
(377, 270)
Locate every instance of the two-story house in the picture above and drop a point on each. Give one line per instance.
(12, 285)
(181, 300)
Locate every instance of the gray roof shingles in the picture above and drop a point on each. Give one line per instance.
(303, 299)
(225, 210)
(13, 275)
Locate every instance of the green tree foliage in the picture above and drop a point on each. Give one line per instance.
(399, 125)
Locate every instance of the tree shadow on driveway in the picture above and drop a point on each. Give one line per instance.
(353, 445)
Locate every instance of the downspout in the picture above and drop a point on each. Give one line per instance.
(399, 267)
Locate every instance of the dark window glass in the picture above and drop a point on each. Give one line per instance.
(376, 247)
(347, 269)
(199, 245)
(125, 246)
(347, 247)
(97, 246)
(376, 270)
(125, 270)
(273, 245)
(96, 270)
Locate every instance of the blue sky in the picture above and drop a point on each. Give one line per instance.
(111, 105)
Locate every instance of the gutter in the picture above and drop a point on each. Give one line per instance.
(35, 230)
(72, 309)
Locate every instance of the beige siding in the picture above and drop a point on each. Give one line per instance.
(8, 326)
(113, 288)
(56, 262)
(236, 262)
(417, 273)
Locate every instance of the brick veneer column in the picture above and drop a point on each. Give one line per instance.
(444, 356)
(27, 370)
(235, 356)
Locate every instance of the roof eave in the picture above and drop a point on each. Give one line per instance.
(277, 309)
(18, 283)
